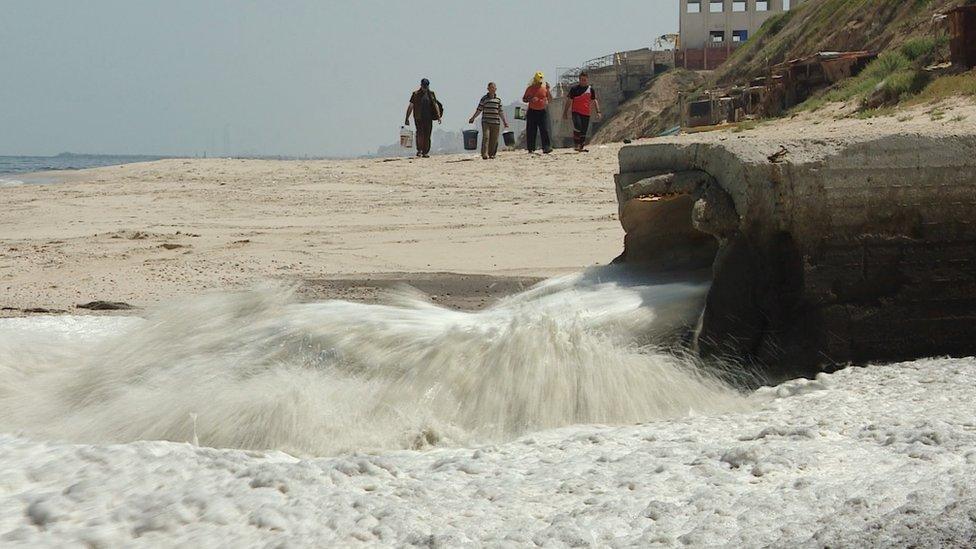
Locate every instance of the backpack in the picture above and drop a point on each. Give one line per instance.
(437, 105)
(440, 106)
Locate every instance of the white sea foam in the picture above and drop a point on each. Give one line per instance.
(10, 182)
(883, 456)
(257, 370)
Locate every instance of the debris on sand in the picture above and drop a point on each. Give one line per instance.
(105, 306)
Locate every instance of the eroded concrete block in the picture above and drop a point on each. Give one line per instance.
(823, 251)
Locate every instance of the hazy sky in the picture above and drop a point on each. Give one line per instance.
(328, 77)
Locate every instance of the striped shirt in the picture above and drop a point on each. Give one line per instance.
(491, 110)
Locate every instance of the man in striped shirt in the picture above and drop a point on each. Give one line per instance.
(492, 117)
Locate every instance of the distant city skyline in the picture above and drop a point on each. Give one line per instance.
(296, 78)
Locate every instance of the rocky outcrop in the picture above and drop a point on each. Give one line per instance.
(822, 252)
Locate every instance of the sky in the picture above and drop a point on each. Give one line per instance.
(289, 77)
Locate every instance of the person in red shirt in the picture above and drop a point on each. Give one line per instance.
(581, 97)
(537, 95)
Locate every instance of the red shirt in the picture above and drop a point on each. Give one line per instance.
(537, 96)
(581, 96)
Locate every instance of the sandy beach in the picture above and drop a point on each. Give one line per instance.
(142, 233)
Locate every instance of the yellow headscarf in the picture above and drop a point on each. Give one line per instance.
(539, 78)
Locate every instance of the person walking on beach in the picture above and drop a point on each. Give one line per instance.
(537, 95)
(492, 117)
(425, 108)
(581, 97)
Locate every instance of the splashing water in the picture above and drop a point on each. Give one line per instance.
(256, 370)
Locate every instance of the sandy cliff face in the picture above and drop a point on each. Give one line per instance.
(830, 248)
(656, 109)
(833, 25)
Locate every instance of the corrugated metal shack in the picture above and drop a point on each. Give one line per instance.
(789, 84)
(962, 36)
(794, 81)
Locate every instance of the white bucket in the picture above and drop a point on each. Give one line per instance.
(406, 137)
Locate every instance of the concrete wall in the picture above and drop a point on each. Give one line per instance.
(831, 250)
(695, 27)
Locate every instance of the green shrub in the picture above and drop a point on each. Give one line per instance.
(924, 49)
(902, 85)
(887, 63)
(856, 87)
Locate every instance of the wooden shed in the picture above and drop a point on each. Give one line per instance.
(962, 34)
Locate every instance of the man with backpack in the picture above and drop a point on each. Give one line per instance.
(425, 108)
(580, 97)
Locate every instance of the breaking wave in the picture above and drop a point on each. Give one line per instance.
(257, 370)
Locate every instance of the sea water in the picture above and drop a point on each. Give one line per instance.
(11, 167)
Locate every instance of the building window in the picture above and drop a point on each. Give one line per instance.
(762, 5)
(716, 6)
(739, 5)
(716, 37)
(787, 5)
(694, 7)
(740, 35)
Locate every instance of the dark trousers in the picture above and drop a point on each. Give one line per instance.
(424, 129)
(537, 121)
(581, 124)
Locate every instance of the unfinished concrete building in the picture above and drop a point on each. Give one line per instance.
(616, 78)
(711, 29)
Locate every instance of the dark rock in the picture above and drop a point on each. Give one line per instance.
(105, 306)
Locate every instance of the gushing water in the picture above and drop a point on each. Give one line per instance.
(257, 370)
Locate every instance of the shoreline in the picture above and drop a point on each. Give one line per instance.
(44, 177)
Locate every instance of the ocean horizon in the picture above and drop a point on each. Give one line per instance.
(11, 166)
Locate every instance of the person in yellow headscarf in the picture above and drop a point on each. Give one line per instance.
(537, 95)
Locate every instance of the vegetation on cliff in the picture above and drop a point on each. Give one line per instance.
(908, 34)
(834, 25)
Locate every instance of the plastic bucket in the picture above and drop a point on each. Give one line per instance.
(406, 137)
(470, 139)
(509, 138)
